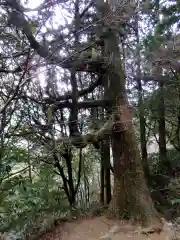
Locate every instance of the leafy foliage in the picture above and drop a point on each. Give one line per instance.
(26, 203)
(43, 98)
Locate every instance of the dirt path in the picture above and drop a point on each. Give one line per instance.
(99, 228)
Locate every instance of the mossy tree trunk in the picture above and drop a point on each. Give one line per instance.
(131, 197)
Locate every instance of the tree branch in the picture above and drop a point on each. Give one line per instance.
(84, 65)
(80, 93)
(21, 83)
(92, 137)
(86, 9)
(68, 95)
(85, 104)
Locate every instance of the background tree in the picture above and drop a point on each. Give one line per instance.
(76, 95)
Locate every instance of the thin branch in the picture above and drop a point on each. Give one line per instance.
(20, 84)
(13, 174)
(86, 9)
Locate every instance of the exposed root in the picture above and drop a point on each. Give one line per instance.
(151, 230)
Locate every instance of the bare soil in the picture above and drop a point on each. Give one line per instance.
(93, 228)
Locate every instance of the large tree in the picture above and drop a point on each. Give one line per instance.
(101, 57)
(131, 197)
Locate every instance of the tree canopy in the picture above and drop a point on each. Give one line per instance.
(85, 87)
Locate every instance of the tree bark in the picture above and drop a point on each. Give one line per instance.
(131, 197)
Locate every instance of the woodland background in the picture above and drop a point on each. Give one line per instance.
(75, 77)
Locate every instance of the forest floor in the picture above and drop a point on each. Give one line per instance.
(93, 228)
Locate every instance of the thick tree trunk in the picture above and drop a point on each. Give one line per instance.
(131, 197)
